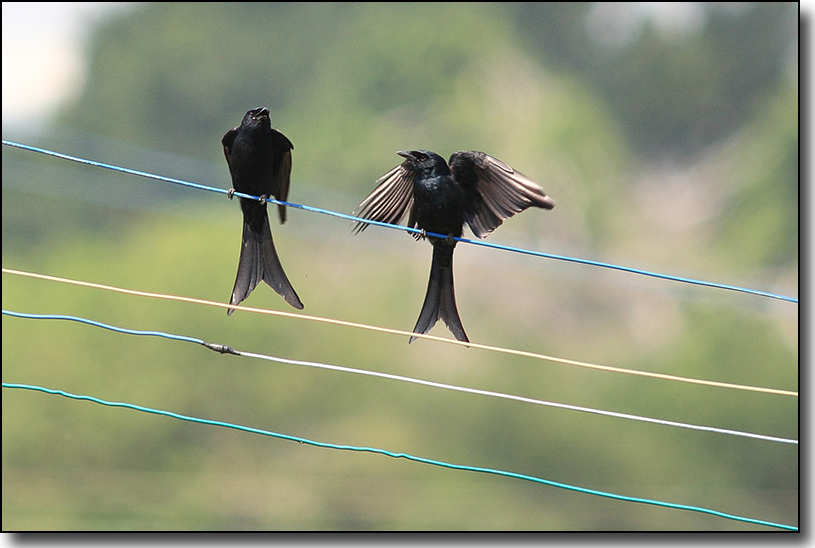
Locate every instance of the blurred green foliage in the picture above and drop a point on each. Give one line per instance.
(350, 84)
(672, 93)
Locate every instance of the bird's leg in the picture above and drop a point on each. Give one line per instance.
(230, 193)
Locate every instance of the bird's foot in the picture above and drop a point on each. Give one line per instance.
(230, 193)
(263, 198)
(451, 239)
(423, 234)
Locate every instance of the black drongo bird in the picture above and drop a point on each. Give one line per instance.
(259, 159)
(475, 188)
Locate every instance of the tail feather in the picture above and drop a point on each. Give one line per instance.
(440, 299)
(259, 261)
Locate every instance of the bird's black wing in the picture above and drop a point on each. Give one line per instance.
(227, 140)
(495, 191)
(390, 199)
(283, 172)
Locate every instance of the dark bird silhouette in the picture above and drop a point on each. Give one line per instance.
(259, 159)
(475, 188)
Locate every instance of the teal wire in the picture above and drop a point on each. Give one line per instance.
(408, 229)
(402, 456)
(103, 325)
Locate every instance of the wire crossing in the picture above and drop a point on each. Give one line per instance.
(404, 456)
(632, 270)
(224, 349)
(357, 325)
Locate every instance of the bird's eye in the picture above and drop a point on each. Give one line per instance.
(421, 156)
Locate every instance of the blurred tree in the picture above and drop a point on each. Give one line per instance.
(188, 82)
(759, 222)
(676, 92)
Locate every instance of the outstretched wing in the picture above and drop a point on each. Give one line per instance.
(495, 191)
(390, 199)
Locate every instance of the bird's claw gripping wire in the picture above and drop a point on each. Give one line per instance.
(231, 193)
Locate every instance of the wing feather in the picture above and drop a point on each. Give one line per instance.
(390, 199)
(496, 191)
(227, 141)
(284, 177)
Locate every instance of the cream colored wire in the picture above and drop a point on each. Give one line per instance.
(406, 333)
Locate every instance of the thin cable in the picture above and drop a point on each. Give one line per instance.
(229, 350)
(402, 456)
(405, 228)
(523, 353)
(100, 324)
(122, 169)
(519, 398)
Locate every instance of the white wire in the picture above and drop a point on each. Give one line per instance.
(518, 398)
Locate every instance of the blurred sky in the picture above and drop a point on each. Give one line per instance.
(43, 54)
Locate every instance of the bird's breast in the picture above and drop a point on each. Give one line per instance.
(438, 205)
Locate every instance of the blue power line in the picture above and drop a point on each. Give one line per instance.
(408, 229)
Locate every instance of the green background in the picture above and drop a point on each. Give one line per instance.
(674, 153)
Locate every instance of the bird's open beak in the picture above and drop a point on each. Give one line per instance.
(260, 113)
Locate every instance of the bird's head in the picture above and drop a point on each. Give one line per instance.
(425, 161)
(256, 117)
(258, 113)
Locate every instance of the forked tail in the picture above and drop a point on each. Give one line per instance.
(440, 299)
(258, 262)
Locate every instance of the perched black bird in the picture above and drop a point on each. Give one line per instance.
(259, 159)
(475, 188)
